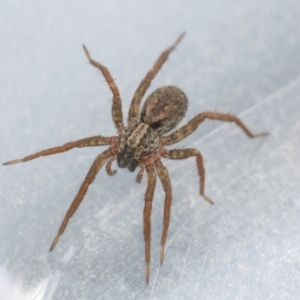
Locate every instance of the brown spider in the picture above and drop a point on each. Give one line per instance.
(142, 143)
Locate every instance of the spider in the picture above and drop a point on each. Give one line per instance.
(142, 144)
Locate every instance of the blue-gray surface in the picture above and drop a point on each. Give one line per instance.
(238, 56)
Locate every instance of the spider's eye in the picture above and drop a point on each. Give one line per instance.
(156, 125)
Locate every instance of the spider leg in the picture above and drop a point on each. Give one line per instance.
(165, 180)
(109, 171)
(151, 183)
(95, 168)
(193, 124)
(144, 85)
(186, 153)
(86, 142)
(140, 174)
(117, 114)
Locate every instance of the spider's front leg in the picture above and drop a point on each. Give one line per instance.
(86, 142)
(151, 183)
(91, 175)
(186, 153)
(117, 104)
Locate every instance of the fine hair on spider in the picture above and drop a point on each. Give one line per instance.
(142, 144)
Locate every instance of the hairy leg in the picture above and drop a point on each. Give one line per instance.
(87, 142)
(193, 124)
(95, 168)
(165, 180)
(117, 104)
(186, 153)
(151, 183)
(109, 171)
(144, 85)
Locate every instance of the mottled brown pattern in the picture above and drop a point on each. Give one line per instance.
(142, 144)
(135, 142)
(163, 115)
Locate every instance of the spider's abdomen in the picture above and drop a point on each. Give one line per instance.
(164, 108)
(135, 142)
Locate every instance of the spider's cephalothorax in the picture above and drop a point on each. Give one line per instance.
(142, 144)
(161, 112)
(135, 142)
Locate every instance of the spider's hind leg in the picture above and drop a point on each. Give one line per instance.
(90, 177)
(165, 180)
(151, 183)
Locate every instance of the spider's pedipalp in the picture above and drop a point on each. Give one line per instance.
(151, 183)
(140, 174)
(193, 124)
(165, 180)
(109, 171)
(91, 175)
(133, 114)
(86, 142)
(186, 153)
(117, 113)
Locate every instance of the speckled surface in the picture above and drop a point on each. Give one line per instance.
(237, 56)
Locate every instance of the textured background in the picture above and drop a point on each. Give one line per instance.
(238, 56)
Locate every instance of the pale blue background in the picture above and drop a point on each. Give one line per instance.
(238, 56)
